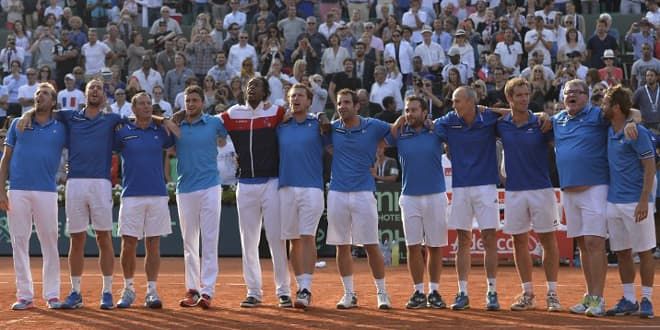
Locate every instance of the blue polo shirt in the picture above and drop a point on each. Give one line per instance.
(301, 153)
(420, 155)
(142, 159)
(581, 147)
(626, 170)
(197, 154)
(354, 153)
(36, 155)
(525, 154)
(90, 143)
(472, 148)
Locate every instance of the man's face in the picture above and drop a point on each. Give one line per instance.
(299, 100)
(330, 18)
(608, 108)
(575, 98)
(601, 28)
(646, 51)
(43, 99)
(418, 64)
(31, 75)
(165, 14)
(651, 77)
(427, 37)
(218, 25)
(243, 38)
(194, 104)
(92, 36)
(462, 103)
(234, 30)
(95, 95)
(311, 26)
(142, 108)
(234, 5)
(379, 76)
(499, 75)
(455, 59)
(255, 90)
(348, 66)
(291, 11)
(346, 108)
(158, 94)
(169, 45)
(508, 35)
(120, 96)
(359, 49)
(437, 24)
(146, 63)
(519, 100)
(69, 83)
(539, 22)
(415, 117)
(220, 59)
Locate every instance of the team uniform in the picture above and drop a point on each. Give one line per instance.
(254, 134)
(198, 195)
(33, 199)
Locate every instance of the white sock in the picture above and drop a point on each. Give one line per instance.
(528, 288)
(462, 287)
(647, 292)
(299, 281)
(107, 284)
(552, 286)
(128, 284)
(380, 285)
(307, 282)
(492, 284)
(629, 292)
(347, 281)
(151, 286)
(419, 287)
(75, 283)
(433, 286)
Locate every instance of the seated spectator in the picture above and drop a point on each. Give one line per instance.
(171, 24)
(121, 106)
(383, 87)
(611, 74)
(158, 92)
(388, 114)
(70, 98)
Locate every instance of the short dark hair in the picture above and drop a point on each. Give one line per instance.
(620, 96)
(346, 91)
(422, 101)
(388, 100)
(265, 85)
(194, 90)
(308, 91)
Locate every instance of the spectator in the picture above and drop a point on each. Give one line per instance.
(647, 100)
(364, 67)
(153, 8)
(232, 38)
(95, 53)
(148, 77)
(291, 27)
(388, 114)
(329, 27)
(402, 51)
(26, 92)
(387, 28)
(392, 73)
(342, 80)
(172, 25)
(320, 97)
(510, 53)
(236, 16)
(121, 106)
(265, 13)
(464, 73)
(580, 69)
(179, 102)
(116, 45)
(13, 82)
(382, 88)
(465, 49)
(611, 74)
(578, 20)
(65, 55)
(23, 40)
(70, 98)
(208, 86)
(356, 24)
(541, 85)
(496, 97)
(10, 54)
(653, 13)
(333, 57)
(540, 39)
(270, 54)
(480, 15)
(431, 53)
(571, 44)
(453, 81)
(165, 58)
(135, 52)
(598, 43)
(220, 71)
(547, 14)
(247, 71)
(415, 19)
(166, 107)
(201, 52)
(177, 79)
(97, 14)
(537, 58)
(275, 79)
(202, 21)
(217, 34)
(157, 40)
(346, 39)
(305, 50)
(14, 10)
(299, 71)
(77, 36)
(46, 76)
(55, 10)
(639, 67)
(639, 34)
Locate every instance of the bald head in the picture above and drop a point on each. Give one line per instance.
(465, 99)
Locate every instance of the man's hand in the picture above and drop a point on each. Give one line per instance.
(641, 210)
(178, 117)
(4, 200)
(287, 116)
(324, 123)
(25, 121)
(398, 125)
(630, 130)
(544, 122)
(171, 128)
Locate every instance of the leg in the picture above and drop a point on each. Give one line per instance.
(463, 254)
(308, 253)
(46, 225)
(344, 260)
(77, 253)
(416, 264)
(376, 262)
(626, 266)
(490, 257)
(189, 205)
(586, 263)
(106, 252)
(522, 258)
(127, 256)
(550, 255)
(296, 256)
(270, 202)
(19, 220)
(210, 230)
(598, 261)
(646, 268)
(249, 219)
(152, 258)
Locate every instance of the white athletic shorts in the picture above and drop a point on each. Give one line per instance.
(586, 212)
(144, 216)
(527, 210)
(301, 209)
(478, 202)
(625, 233)
(88, 201)
(425, 219)
(352, 218)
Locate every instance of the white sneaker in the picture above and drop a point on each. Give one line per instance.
(384, 301)
(596, 307)
(347, 301)
(580, 307)
(553, 302)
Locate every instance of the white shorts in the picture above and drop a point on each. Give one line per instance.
(352, 218)
(625, 233)
(425, 219)
(88, 201)
(144, 216)
(300, 209)
(586, 212)
(478, 202)
(530, 210)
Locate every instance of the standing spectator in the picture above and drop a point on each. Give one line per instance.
(54, 9)
(95, 53)
(653, 13)
(10, 54)
(172, 24)
(97, 13)
(236, 16)
(165, 58)
(364, 67)
(415, 19)
(273, 52)
(402, 52)
(77, 36)
(305, 51)
(383, 88)
(291, 27)
(153, 8)
(343, 80)
(220, 71)
(13, 82)
(329, 27)
(320, 97)
(239, 52)
(232, 37)
(639, 68)
(148, 77)
(217, 34)
(202, 21)
(165, 106)
(201, 52)
(598, 43)
(14, 10)
(611, 74)
(26, 93)
(431, 53)
(23, 40)
(176, 79)
(647, 100)
(639, 34)
(510, 53)
(70, 98)
(440, 36)
(333, 57)
(121, 106)
(572, 44)
(116, 45)
(540, 39)
(135, 52)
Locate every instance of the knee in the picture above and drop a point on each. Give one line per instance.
(594, 244)
(464, 239)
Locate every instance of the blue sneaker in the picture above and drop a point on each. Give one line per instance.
(73, 300)
(492, 304)
(646, 309)
(623, 307)
(461, 302)
(106, 301)
(127, 298)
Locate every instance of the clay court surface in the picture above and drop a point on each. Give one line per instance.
(327, 288)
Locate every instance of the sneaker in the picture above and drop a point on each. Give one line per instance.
(204, 301)
(54, 303)
(106, 301)
(623, 307)
(22, 304)
(303, 299)
(190, 300)
(152, 300)
(581, 307)
(435, 300)
(73, 300)
(492, 304)
(524, 301)
(127, 298)
(416, 301)
(552, 301)
(646, 309)
(384, 301)
(461, 302)
(596, 307)
(250, 302)
(347, 301)
(284, 301)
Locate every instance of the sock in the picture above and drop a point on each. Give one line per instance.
(128, 284)
(419, 287)
(492, 284)
(462, 287)
(347, 281)
(433, 286)
(299, 280)
(552, 286)
(151, 286)
(307, 282)
(647, 292)
(528, 288)
(380, 285)
(107, 284)
(75, 283)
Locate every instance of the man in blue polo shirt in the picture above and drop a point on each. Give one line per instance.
(629, 203)
(301, 187)
(470, 135)
(530, 199)
(198, 196)
(144, 211)
(30, 160)
(423, 201)
(352, 213)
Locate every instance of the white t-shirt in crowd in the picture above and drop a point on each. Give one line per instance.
(70, 100)
(94, 56)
